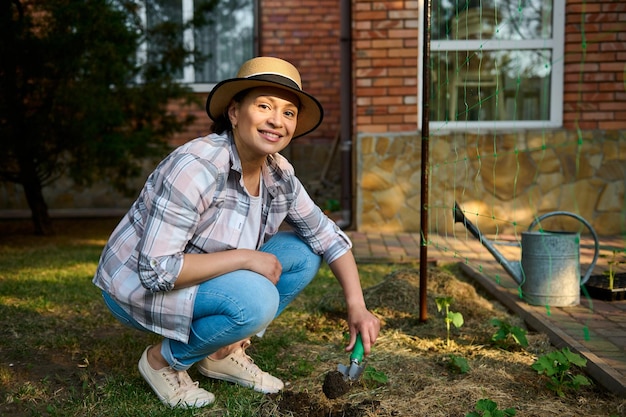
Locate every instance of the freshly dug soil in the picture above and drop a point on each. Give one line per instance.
(334, 385)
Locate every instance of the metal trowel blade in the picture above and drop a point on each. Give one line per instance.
(351, 373)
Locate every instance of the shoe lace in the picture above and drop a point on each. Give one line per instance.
(180, 381)
(246, 362)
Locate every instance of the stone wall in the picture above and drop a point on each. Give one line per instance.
(501, 181)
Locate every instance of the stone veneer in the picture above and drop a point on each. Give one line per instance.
(501, 181)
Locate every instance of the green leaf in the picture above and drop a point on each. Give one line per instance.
(459, 364)
(497, 322)
(443, 302)
(579, 380)
(543, 364)
(574, 358)
(489, 408)
(377, 376)
(456, 318)
(501, 334)
(485, 404)
(519, 335)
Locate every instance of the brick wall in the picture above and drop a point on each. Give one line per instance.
(306, 33)
(594, 93)
(386, 45)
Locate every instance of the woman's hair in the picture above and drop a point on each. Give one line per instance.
(222, 123)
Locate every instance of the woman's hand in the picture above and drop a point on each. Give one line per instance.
(265, 264)
(201, 267)
(361, 320)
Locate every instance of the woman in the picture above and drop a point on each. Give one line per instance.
(199, 258)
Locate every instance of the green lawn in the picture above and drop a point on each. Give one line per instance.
(63, 354)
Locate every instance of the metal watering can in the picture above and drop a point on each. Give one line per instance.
(549, 271)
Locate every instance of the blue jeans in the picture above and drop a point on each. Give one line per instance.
(237, 305)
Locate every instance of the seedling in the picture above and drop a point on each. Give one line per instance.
(377, 377)
(458, 364)
(451, 317)
(505, 329)
(487, 408)
(557, 366)
(613, 263)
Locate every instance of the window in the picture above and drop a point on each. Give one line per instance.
(496, 64)
(226, 42)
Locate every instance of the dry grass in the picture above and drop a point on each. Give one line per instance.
(414, 356)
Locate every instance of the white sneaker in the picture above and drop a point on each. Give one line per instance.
(174, 388)
(239, 368)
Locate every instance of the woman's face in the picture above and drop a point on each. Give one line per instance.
(264, 121)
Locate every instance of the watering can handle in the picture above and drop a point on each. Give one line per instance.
(585, 278)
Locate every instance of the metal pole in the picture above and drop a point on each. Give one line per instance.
(425, 163)
(345, 145)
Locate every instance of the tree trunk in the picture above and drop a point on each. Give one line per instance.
(34, 196)
(39, 209)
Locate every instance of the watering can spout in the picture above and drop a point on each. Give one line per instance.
(513, 268)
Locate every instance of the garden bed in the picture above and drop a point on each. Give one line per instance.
(598, 287)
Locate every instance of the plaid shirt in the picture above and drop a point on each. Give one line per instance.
(194, 202)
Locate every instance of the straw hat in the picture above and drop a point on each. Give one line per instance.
(273, 72)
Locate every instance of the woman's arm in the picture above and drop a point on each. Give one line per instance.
(360, 319)
(198, 268)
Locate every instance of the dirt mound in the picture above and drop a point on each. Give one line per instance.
(301, 404)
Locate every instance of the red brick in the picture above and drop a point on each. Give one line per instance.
(370, 15)
(403, 33)
(388, 24)
(615, 125)
(614, 105)
(386, 100)
(614, 6)
(583, 8)
(612, 66)
(404, 14)
(387, 43)
(371, 34)
(610, 86)
(596, 116)
(387, 118)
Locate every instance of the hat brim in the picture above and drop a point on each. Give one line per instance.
(310, 114)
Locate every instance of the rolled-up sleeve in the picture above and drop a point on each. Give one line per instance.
(314, 227)
(179, 191)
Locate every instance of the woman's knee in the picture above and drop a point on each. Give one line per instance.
(262, 304)
(293, 252)
(247, 298)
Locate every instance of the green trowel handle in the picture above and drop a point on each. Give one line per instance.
(357, 350)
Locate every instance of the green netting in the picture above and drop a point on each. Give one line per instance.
(501, 152)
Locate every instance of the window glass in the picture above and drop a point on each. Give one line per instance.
(228, 42)
(490, 85)
(492, 61)
(491, 19)
(163, 12)
(220, 47)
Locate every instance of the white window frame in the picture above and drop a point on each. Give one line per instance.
(555, 44)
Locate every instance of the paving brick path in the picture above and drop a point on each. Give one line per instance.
(596, 329)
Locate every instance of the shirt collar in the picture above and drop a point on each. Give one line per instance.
(273, 174)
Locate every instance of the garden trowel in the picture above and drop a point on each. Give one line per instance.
(353, 371)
